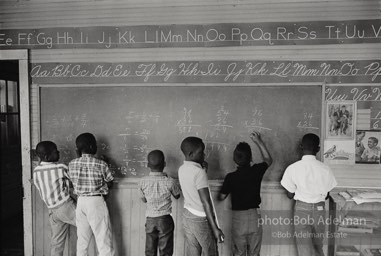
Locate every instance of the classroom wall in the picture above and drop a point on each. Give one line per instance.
(41, 14)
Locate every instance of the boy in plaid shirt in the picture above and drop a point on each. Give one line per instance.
(53, 184)
(156, 190)
(91, 179)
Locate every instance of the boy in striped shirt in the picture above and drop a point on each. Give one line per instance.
(53, 184)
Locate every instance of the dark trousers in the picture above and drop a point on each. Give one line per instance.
(159, 235)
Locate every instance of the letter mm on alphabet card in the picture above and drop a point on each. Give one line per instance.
(340, 120)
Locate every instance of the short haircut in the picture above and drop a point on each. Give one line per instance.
(375, 140)
(242, 154)
(190, 144)
(156, 159)
(45, 148)
(84, 141)
(311, 142)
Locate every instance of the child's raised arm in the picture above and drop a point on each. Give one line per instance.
(256, 138)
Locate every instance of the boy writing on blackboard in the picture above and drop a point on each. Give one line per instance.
(244, 185)
(156, 190)
(52, 182)
(91, 179)
(308, 181)
(199, 220)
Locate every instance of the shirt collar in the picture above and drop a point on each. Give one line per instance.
(193, 164)
(308, 157)
(243, 168)
(46, 163)
(157, 174)
(87, 155)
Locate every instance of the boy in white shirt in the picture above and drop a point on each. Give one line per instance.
(308, 182)
(199, 221)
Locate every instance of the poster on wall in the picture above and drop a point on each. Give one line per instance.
(339, 152)
(367, 147)
(340, 120)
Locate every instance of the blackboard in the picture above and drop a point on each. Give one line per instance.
(129, 121)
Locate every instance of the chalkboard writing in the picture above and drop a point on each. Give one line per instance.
(191, 35)
(131, 121)
(367, 98)
(368, 71)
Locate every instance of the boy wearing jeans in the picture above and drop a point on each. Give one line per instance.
(156, 190)
(199, 221)
(308, 182)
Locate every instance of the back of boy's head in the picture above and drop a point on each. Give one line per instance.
(156, 160)
(311, 143)
(190, 144)
(44, 149)
(86, 143)
(242, 155)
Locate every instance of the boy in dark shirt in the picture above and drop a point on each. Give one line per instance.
(244, 185)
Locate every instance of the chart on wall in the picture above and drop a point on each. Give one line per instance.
(353, 124)
(130, 121)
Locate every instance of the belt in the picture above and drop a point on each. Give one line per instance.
(89, 195)
(318, 203)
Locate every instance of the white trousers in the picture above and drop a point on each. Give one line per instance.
(92, 217)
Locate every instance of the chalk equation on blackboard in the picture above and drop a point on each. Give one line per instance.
(134, 151)
(143, 134)
(220, 125)
(211, 146)
(306, 122)
(69, 138)
(185, 124)
(68, 121)
(255, 123)
(142, 117)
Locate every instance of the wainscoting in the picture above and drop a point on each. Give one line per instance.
(128, 218)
